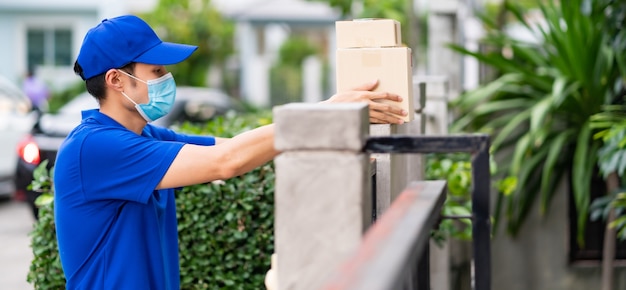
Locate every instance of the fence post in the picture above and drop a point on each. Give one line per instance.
(435, 94)
(394, 172)
(322, 189)
(391, 170)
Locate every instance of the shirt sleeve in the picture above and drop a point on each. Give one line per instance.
(119, 164)
(196, 139)
(167, 134)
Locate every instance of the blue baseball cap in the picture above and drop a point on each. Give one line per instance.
(118, 41)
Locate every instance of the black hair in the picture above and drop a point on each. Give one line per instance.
(96, 85)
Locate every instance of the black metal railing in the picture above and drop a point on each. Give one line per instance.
(373, 195)
(478, 147)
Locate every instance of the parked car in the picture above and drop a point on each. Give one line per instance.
(16, 119)
(192, 104)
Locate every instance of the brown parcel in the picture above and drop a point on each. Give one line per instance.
(368, 33)
(391, 66)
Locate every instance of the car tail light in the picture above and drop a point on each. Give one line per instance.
(19, 195)
(28, 150)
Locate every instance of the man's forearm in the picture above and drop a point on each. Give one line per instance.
(252, 148)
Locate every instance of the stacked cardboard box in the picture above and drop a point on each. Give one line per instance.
(371, 49)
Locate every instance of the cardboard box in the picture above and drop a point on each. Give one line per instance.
(391, 66)
(361, 33)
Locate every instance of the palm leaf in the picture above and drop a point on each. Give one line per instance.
(520, 205)
(540, 112)
(557, 146)
(530, 53)
(583, 156)
(558, 85)
(515, 122)
(522, 149)
(473, 98)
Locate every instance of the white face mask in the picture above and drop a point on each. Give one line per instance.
(161, 95)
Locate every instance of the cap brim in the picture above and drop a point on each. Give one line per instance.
(166, 53)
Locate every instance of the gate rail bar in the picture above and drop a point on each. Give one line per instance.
(385, 260)
(478, 146)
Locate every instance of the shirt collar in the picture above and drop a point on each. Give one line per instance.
(95, 114)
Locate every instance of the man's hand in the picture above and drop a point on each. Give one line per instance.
(380, 113)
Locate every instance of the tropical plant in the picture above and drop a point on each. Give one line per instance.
(456, 170)
(612, 166)
(539, 108)
(612, 159)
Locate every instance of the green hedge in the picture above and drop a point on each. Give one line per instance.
(225, 228)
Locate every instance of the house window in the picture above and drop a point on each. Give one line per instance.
(591, 253)
(49, 47)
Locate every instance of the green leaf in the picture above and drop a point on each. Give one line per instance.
(44, 199)
(473, 98)
(522, 149)
(512, 125)
(557, 147)
(519, 204)
(539, 114)
(581, 175)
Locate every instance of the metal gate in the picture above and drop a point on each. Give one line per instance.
(478, 147)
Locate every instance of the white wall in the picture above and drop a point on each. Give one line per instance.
(78, 15)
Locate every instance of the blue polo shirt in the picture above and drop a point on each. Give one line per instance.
(115, 231)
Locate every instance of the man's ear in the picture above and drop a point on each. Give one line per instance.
(113, 79)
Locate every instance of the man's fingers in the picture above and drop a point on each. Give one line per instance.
(387, 108)
(385, 96)
(382, 118)
(367, 86)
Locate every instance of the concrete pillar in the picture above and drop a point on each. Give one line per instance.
(416, 164)
(391, 169)
(434, 109)
(443, 26)
(395, 171)
(322, 187)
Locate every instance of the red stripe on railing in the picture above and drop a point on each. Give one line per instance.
(375, 238)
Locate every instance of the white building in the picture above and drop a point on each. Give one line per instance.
(46, 35)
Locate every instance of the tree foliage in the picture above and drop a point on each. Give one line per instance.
(391, 9)
(196, 23)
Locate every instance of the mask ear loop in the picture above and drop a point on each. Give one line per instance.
(131, 100)
(138, 108)
(132, 76)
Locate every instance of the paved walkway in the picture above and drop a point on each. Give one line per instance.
(15, 253)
